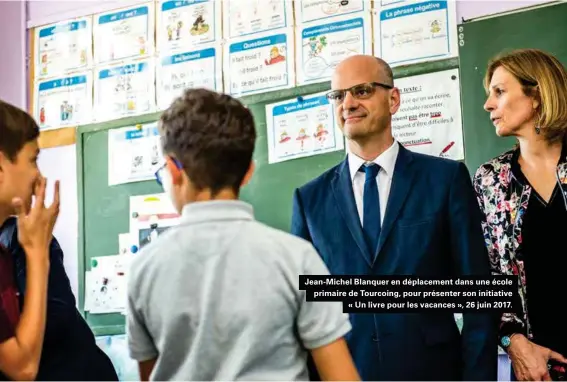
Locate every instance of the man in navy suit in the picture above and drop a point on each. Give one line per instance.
(388, 211)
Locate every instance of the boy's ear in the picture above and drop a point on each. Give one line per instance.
(249, 173)
(175, 171)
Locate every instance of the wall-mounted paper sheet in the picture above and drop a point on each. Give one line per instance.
(124, 90)
(429, 118)
(259, 65)
(187, 23)
(150, 216)
(249, 17)
(415, 31)
(322, 45)
(191, 69)
(127, 33)
(314, 10)
(134, 153)
(301, 128)
(63, 47)
(106, 284)
(63, 101)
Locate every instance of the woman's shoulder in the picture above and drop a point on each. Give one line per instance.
(496, 166)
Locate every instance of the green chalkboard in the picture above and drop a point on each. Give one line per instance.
(104, 210)
(541, 28)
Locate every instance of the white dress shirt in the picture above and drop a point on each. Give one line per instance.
(387, 162)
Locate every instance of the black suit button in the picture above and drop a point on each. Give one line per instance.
(374, 338)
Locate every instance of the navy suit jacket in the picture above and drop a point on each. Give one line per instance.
(431, 228)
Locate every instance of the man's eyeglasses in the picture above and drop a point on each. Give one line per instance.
(360, 91)
(161, 169)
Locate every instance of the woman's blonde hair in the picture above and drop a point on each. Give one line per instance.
(543, 77)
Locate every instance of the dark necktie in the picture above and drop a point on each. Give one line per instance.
(371, 210)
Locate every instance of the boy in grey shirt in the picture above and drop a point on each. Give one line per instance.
(217, 297)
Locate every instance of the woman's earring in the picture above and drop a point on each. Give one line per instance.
(537, 130)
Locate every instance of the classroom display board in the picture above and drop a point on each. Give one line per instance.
(135, 60)
(480, 41)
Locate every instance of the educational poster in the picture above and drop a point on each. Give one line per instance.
(123, 90)
(134, 153)
(106, 284)
(63, 47)
(62, 102)
(128, 33)
(321, 46)
(150, 216)
(188, 23)
(313, 10)
(302, 127)
(415, 31)
(259, 65)
(192, 69)
(429, 118)
(246, 17)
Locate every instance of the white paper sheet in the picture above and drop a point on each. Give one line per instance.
(191, 69)
(313, 10)
(322, 45)
(187, 23)
(134, 153)
(150, 216)
(63, 47)
(429, 118)
(63, 101)
(106, 284)
(124, 243)
(301, 128)
(125, 33)
(124, 90)
(415, 31)
(259, 65)
(249, 17)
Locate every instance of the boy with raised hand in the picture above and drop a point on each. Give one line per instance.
(69, 350)
(217, 297)
(21, 336)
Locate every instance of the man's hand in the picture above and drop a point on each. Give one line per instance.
(529, 360)
(36, 228)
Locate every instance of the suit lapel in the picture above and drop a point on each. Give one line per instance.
(401, 184)
(342, 190)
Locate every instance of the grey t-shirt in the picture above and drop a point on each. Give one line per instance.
(217, 298)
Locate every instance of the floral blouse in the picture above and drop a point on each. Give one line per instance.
(504, 201)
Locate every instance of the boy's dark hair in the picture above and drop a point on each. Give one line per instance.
(212, 135)
(16, 129)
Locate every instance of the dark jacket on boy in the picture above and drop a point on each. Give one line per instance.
(70, 351)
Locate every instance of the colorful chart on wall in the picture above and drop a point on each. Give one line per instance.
(63, 101)
(322, 45)
(249, 17)
(300, 128)
(314, 10)
(122, 34)
(183, 24)
(63, 47)
(134, 154)
(188, 69)
(124, 90)
(408, 32)
(259, 65)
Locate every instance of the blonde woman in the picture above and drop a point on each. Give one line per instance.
(522, 194)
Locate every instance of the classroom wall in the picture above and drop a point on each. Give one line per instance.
(13, 56)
